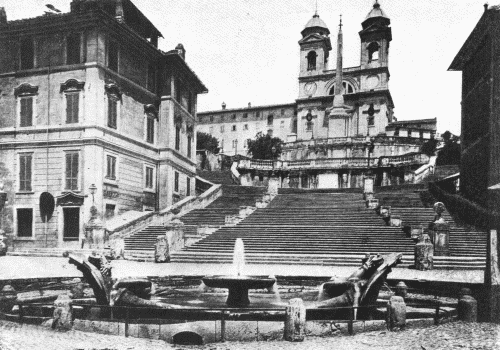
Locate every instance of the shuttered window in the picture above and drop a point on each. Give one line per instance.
(112, 112)
(176, 182)
(149, 177)
(72, 165)
(72, 104)
(26, 112)
(150, 129)
(25, 222)
(177, 138)
(188, 187)
(111, 168)
(25, 172)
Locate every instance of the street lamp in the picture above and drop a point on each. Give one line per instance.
(93, 190)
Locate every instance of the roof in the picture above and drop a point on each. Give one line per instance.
(313, 24)
(376, 11)
(174, 57)
(475, 39)
(246, 109)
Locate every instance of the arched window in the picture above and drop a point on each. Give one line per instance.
(311, 60)
(373, 51)
(348, 88)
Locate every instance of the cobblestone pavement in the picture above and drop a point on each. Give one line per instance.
(456, 335)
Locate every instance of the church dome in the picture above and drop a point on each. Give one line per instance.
(315, 25)
(376, 14)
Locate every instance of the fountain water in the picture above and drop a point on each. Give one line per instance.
(238, 284)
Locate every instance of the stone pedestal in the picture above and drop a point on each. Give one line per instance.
(372, 203)
(396, 221)
(94, 231)
(116, 247)
(162, 251)
(368, 187)
(416, 232)
(396, 313)
(424, 254)
(467, 307)
(440, 231)
(295, 320)
(63, 313)
(273, 185)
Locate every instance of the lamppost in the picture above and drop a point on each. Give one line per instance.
(93, 190)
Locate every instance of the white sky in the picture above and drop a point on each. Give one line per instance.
(246, 50)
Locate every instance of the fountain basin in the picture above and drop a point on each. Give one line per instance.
(238, 287)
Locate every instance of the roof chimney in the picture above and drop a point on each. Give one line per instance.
(223, 105)
(3, 16)
(249, 105)
(181, 50)
(485, 7)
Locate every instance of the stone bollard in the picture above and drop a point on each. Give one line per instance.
(295, 320)
(401, 290)
(467, 306)
(424, 254)
(396, 313)
(63, 313)
(162, 251)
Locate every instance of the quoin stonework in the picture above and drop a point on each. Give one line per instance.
(88, 98)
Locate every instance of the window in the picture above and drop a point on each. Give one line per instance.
(309, 126)
(72, 166)
(373, 51)
(178, 90)
(282, 111)
(110, 167)
(294, 125)
(26, 111)
(27, 53)
(25, 222)
(211, 118)
(112, 111)
(311, 60)
(245, 115)
(371, 120)
(222, 145)
(348, 88)
(176, 182)
(190, 102)
(245, 127)
(149, 177)
(188, 186)
(110, 211)
(72, 107)
(25, 172)
(234, 128)
(270, 119)
(151, 82)
(282, 124)
(150, 128)
(211, 130)
(257, 114)
(234, 116)
(73, 49)
(222, 128)
(235, 143)
(113, 55)
(189, 142)
(177, 137)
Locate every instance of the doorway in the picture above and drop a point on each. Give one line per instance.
(71, 229)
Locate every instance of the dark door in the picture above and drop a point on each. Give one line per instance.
(71, 223)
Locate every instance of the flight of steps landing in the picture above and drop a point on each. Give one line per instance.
(222, 177)
(321, 228)
(140, 246)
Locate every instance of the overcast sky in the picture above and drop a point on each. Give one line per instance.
(246, 50)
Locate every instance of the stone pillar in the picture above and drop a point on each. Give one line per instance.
(63, 313)
(295, 320)
(162, 251)
(440, 232)
(424, 254)
(345, 181)
(467, 307)
(3, 245)
(396, 313)
(368, 187)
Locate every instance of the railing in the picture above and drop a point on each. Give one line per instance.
(334, 163)
(157, 316)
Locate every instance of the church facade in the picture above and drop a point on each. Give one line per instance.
(343, 118)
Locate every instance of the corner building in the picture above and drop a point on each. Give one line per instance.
(87, 98)
(347, 142)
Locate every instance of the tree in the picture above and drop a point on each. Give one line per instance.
(207, 142)
(429, 147)
(450, 154)
(265, 146)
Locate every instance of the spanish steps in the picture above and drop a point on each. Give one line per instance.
(332, 227)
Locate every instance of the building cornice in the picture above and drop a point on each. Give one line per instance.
(245, 109)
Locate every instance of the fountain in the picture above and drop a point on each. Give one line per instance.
(238, 284)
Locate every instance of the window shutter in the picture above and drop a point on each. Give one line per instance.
(68, 171)
(22, 173)
(74, 174)
(28, 173)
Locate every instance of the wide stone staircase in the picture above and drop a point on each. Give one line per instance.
(317, 227)
(223, 177)
(141, 244)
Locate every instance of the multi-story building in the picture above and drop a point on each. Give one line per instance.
(92, 112)
(340, 114)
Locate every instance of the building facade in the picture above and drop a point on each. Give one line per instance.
(93, 113)
(340, 114)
